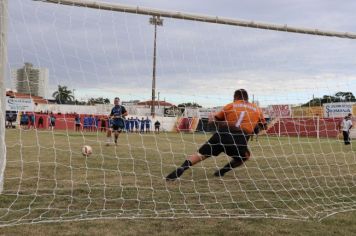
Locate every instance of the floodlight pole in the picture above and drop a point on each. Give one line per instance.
(154, 20)
(3, 63)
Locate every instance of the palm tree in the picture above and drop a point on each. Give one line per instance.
(63, 95)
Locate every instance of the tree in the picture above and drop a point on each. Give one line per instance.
(346, 96)
(63, 95)
(190, 104)
(338, 97)
(76, 102)
(100, 100)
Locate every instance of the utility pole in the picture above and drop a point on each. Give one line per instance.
(158, 100)
(156, 21)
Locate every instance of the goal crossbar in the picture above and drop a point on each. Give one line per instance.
(202, 18)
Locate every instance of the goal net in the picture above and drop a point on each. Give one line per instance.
(66, 65)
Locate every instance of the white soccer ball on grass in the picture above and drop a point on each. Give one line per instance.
(87, 150)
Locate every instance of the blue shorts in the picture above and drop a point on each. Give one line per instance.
(118, 124)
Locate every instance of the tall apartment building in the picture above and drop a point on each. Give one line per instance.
(30, 80)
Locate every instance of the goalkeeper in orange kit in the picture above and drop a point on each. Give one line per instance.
(234, 124)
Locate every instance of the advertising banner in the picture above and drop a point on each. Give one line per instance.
(340, 109)
(19, 104)
(205, 112)
(281, 111)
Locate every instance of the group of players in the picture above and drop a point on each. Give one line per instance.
(94, 123)
(234, 124)
(28, 121)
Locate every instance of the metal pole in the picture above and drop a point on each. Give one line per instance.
(156, 21)
(202, 18)
(318, 127)
(154, 74)
(3, 63)
(158, 100)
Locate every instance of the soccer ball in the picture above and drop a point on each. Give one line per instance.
(87, 150)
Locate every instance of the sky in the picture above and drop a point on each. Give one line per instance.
(103, 53)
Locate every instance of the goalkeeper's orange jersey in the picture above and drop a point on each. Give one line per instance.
(242, 115)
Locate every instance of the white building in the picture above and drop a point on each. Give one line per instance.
(31, 80)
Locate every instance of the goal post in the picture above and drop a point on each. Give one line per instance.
(195, 17)
(3, 64)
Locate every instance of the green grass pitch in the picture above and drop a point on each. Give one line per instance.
(288, 182)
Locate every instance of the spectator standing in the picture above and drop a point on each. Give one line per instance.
(157, 126)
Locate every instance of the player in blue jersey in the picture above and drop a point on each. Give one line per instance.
(127, 125)
(90, 123)
(136, 124)
(24, 121)
(77, 123)
(148, 125)
(97, 120)
(132, 124)
(117, 115)
(142, 125)
(85, 123)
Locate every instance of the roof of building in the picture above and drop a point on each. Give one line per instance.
(156, 103)
(36, 99)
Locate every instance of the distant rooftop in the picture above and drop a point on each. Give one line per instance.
(36, 99)
(156, 103)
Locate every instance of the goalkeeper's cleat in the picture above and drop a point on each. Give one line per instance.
(218, 173)
(175, 174)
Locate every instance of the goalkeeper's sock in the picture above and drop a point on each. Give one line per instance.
(222, 171)
(229, 166)
(179, 171)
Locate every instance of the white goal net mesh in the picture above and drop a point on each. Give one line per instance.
(300, 168)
